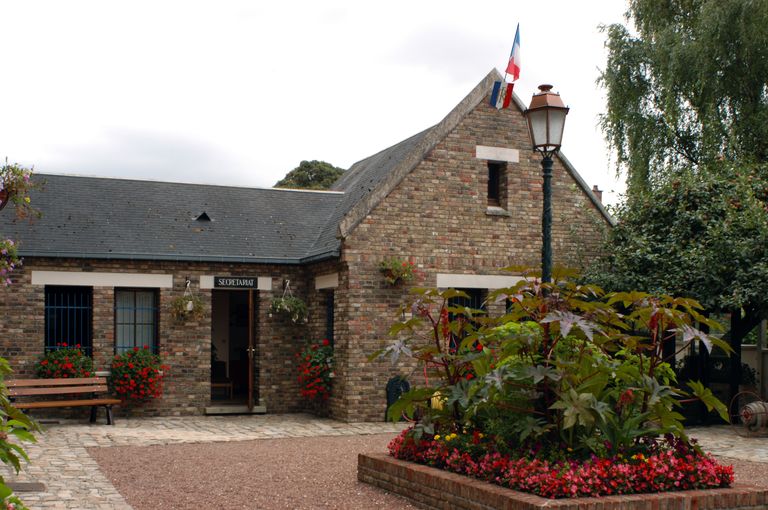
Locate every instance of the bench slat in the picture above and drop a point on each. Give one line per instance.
(61, 390)
(22, 383)
(67, 403)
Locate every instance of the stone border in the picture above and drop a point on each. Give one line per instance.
(431, 488)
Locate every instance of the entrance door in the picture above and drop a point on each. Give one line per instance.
(233, 347)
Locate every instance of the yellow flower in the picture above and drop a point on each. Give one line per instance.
(437, 437)
(26, 199)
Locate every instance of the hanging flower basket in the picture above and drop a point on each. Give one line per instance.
(291, 307)
(396, 270)
(188, 307)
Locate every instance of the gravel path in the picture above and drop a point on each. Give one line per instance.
(292, 473)
(295, 473)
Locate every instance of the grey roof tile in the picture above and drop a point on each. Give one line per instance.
(121, 218)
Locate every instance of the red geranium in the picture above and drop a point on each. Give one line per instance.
(137, 375)
(64, 362)
(316, 370)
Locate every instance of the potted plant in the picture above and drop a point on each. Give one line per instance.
(291, 307)
(396, 270)
(65, 361)
(15, 184)
(137, 375)
(186, 307)
(316, 371)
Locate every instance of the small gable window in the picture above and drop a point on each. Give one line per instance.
(497, 184)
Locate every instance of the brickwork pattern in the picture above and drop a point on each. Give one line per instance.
(186, 346)
(432, 488)
(438, 218)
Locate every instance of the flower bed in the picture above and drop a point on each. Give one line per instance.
(428, 487)
(669, 465)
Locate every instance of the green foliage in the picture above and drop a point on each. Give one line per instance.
(137, 376)
(396, 270)
(16, 181)
(187, 307)
(291, 307)
(685, 86)
(15, 427)
(698, 234)
(64, 362)
(311, 175)
(315, 370)
(566, 365)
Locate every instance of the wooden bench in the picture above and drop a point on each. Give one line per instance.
(86, 387)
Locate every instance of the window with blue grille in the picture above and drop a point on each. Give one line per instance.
(135, 319)
(68, 317)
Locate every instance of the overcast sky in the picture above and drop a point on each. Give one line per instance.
(239, 92)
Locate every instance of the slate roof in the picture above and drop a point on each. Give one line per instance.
(90, 217)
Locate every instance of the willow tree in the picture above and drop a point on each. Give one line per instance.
(686, 84)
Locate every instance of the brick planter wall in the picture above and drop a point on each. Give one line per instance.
(431, 488)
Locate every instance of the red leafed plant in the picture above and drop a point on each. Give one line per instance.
(137, 375)
(316, 371)
(670, 464)
(64, 362)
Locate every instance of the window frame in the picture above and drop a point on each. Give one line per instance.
(155, 343)
(496, 195)
(53, 342)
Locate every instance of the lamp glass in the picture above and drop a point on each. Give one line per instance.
(537, 120)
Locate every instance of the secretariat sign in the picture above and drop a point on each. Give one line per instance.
(235, 282)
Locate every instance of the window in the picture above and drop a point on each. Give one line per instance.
(68, 317)
(135, 319)
(497, 184)
(329, 316)
(475, 301)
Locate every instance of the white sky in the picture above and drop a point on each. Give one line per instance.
(239, 92)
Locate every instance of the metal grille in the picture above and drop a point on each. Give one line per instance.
(68, 318)
(135, 319)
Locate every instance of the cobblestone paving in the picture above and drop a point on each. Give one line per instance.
(733, 442)
(72, 479)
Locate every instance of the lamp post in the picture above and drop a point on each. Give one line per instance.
(546, 120)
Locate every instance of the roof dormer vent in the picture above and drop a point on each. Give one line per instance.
(203, 216)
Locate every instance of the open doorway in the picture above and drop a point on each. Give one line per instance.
(232, 347)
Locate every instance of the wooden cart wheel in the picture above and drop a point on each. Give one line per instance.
(752, 412)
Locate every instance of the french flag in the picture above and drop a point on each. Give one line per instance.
(513, 67)
(501, 94)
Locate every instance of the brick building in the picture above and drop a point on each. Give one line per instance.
(109, 256)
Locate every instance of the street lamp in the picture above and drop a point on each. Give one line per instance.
(546, 120)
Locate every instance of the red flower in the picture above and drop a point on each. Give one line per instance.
(326, 342)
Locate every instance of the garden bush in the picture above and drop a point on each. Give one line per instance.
(569, 379)
(137, 376)
(64, 362)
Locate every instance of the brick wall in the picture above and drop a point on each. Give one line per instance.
(438, 218)
(432, 488)
(186, 346)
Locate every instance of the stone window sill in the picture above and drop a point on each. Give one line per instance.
(496, 211)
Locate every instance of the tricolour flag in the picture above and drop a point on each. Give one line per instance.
(501, 94)
(513, 67)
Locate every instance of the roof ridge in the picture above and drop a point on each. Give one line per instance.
(180, 183)
(410, 160)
